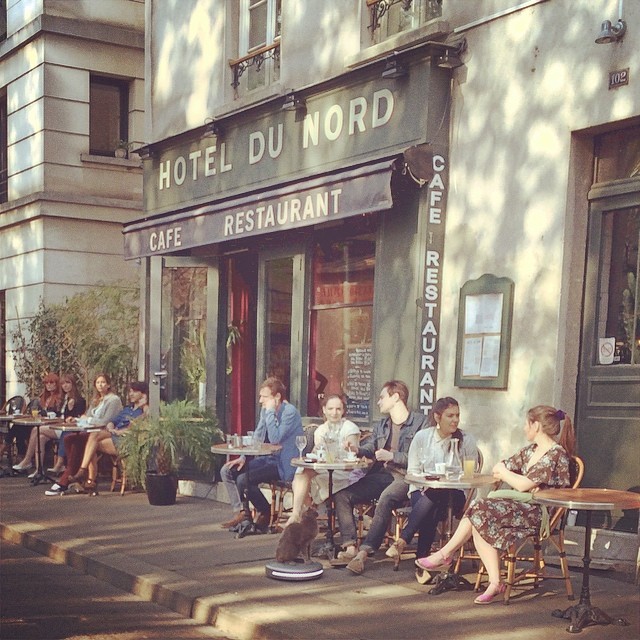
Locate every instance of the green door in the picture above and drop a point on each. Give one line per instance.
(608, 412)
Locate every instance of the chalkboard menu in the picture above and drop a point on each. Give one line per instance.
(358, 381)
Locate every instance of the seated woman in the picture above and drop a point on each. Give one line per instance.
(311, 485)
(104, 407)
(106, 439)
(497, 522)
(49, 401)
(73, 406)
(428, 447)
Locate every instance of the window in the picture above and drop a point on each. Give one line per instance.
(617, 155)
(619, 311)
(4, 145)
(390, 17)
(3, 20)
(341, 323)
(108, 115)
(260, 30)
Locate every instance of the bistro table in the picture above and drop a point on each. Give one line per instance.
(37, 422)
(247, 526)
(584, 614)
(449, 580)
(329, 467)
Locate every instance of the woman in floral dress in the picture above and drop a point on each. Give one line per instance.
(497, 522)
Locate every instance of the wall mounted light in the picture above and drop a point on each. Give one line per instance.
(612, 32)
(211, 129)
(144, 152)
(393, 68)
(293, 103)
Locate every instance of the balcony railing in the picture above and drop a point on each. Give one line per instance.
(254, 59)
(379, 8)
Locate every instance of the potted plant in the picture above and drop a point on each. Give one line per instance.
(122, 149)
(154, 446)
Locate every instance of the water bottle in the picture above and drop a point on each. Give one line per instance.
(453, 469)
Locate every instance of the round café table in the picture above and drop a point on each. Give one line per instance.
(37, 422)
(247, 526)
(584, 614)
(329, 467)
(448, 580)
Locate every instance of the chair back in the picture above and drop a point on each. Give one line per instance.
(17, 402)
(480, 460)
(309, 432)
(576, 472)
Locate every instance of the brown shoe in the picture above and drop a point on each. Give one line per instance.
(236, 520)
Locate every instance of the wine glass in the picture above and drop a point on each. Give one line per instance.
(301, 443)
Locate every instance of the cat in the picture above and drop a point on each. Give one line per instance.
(297, 537)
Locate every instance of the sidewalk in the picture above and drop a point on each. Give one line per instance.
(178, 557)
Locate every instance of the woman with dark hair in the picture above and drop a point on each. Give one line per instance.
(507, 517)
(105, 406)
(106, 439)
(429, 447)
(49, 401)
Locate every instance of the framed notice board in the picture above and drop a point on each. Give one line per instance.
(484, 333)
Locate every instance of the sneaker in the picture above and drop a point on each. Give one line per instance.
(31, 476)
(56, 490)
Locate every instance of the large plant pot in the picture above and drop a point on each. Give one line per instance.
(162, 489)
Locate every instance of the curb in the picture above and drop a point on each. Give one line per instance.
(167, 589)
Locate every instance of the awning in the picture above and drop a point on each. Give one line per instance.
(325, 198)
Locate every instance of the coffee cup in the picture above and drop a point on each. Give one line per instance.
(51, 415)
(247, 441)
(440, 468)
(350, 456)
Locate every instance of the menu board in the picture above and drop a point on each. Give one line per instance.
(358, 381)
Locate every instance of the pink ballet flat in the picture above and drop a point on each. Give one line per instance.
(492, 591)
(435, 562)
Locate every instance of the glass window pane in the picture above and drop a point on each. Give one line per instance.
(279, 283)
(617, 155)
(258, 24)
(618, 315)
(106, 119)
(341, 323)
(184, 326)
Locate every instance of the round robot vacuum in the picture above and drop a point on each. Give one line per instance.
(293, 571)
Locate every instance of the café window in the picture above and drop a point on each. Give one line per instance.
(617, 155)
(108, 115)
(341, 323)
(390, 17)
(259, 44)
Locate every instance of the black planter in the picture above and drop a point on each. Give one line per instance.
(161, 489)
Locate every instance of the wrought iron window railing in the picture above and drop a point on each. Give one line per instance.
(426, 9)
(254, 59)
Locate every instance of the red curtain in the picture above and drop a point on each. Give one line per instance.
(243, 393)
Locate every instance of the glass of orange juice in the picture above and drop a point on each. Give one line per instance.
(469, 467)
(35, 412)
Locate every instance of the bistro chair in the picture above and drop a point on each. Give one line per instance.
(536, 573)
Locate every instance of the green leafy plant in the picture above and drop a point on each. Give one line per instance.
(233, 337)
(160, 442)
(193, 360)
(93, 331)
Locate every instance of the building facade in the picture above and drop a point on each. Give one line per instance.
(443, 192)
(72, 91)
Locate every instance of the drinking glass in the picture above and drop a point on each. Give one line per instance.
(35, 413)
(301, 443)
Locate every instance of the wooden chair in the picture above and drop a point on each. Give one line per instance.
(515, 553)
(118, 475)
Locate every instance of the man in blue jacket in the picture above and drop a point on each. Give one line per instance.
(279, 423)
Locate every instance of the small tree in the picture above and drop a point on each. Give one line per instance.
(94, 331)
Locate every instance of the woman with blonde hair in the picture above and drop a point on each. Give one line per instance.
(105, 406)
(508, 517)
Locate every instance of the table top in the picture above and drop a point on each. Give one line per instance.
(10, 417)
(264, 450)
(478, 480)
(339, 465)
(75, 428)
(588, 499)
(29, 421)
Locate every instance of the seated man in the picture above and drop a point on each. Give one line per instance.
(280, 422)
(388, 447)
